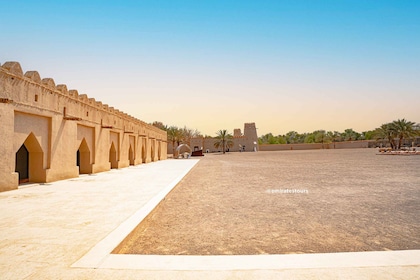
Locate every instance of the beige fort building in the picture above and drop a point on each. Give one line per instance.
(242, 142)
(246, 142)
(50, 133)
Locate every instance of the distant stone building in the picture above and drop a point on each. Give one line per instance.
(49, 133)
(246, 142)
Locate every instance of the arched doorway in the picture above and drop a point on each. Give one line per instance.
(29, 161)
(83, 158)
(131, 155)
(159, 150)
(22, 164)
(113, 156)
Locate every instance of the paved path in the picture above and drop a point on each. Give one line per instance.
(65, 229)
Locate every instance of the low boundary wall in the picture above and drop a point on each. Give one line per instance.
(315, 146)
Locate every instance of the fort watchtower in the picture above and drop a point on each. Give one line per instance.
(249, 140)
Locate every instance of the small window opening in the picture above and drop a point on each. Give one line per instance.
(36, 97)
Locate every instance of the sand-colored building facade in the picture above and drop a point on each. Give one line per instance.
(50, 133)
(242, 142)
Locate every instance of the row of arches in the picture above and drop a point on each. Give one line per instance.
(29, 158)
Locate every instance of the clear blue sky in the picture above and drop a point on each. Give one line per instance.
(210, 65)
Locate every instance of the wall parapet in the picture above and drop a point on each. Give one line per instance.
(54, 98)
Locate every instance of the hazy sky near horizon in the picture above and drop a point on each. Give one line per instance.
(210, 65)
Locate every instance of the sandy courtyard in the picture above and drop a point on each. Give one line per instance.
(319, 201)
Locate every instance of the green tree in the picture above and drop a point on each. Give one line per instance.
(368, 135)
(309, 138)
(281, 140)
(330, 136)
(336, 137)
(402, 129)
(160, 125)
(174, 136)
(223, 140)
(265, 139)
(320, 136)
(273, 139)
(292, 137)
(350, 135)
(386, 132)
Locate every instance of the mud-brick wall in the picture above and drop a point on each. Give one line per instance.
(63, 133)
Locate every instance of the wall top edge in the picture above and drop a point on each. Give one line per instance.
(14, 69)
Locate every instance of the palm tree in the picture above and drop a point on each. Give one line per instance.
(320, 137)
(350, 135)
(224, 140)
(403, 129)
(160, 125)
(386, 131)
(174, 135)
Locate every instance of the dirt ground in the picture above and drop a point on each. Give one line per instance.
(287, 202)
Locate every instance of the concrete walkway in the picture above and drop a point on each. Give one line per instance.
(67, 229)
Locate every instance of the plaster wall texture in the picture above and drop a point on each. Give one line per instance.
(66, 133)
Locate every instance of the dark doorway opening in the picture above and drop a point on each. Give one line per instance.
(131, 155)
(78, 159)
(83, 158)
(22, 164)
(113, 156)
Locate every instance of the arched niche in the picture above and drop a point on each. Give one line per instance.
(83, 158)
(29, 161)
